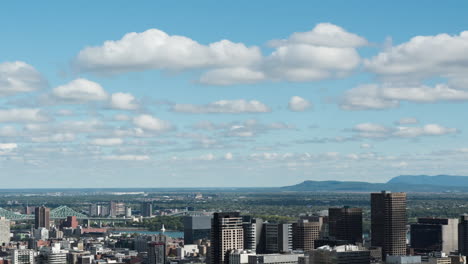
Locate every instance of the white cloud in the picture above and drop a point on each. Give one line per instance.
(324, 34)
(366, 146)
(230, 76)
(151, 123)
(407, 121)
(107, 141)
(223, 106)
(373, 96)
(80, 90)
(228, 156)
(370, 127)
(8, 146)
(327, 51)
(421, 57)
(427, 130)
(23, 115)
(127, 157)
(18, 77)
(59, 137)
(155, 49)
(298, 104)
(121, 117)
(207, 157)
(123, 101)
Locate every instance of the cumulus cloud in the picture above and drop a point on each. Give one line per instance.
(407, 121)
(18, 77)
(23, 115)
(127, 157)
(8, 146)
(223, 106)
(298, 104)
(228, 156)
(80, 90)
(106, 141)
(371, 130)
(59, 137)
(327, 51)
(123, 101)
(151, 123)
(155, 49)
(374, 96)
(421, 57)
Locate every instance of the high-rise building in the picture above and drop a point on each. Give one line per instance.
(157, 253)
(226, 234)
(95, 210)
(147, 209)
(463, 235)
(22, 256)
(253, 230)
(116, 209)
(278, 238)
(434, 235)
(128, 211)
(4, 230)
(346, 254)
(305, 233)
(388, 223)
(274, 258)
(71, 222)
(42, 217)
(345, 224)
(197, 227)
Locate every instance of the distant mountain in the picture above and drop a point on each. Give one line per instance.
(422, 183)
(439, 180)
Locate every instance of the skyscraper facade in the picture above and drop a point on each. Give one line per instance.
(388, 223)
(345, 224)
(157, 253)
(305, 233)
(147, 209)
(42, 217)
(434, 235)
(196, 227)
(226, 234)
(253, 230)
(4, 230)
(278, 238)
(463, 235)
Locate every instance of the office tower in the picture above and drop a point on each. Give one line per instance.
(226, 234)
(434, 235)
(305, 233)
(278, 238)
(253, 230)
(116, 209)
(274, 258)
(29, 210)
(346, 254)
(147, 209)
(157, 253)
(463, 235)
(53, 255)
(95, 210)
(196, 227)
(22, 256)
(388, 223)
(345, 224)
(4, 230)
(128, 211)
(71, 222)
(42, 217)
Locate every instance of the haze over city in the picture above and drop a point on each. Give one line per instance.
(230, 94)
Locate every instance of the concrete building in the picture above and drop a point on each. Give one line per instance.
(226, 234)
(304, 234)
(388, 223)
(345, 224)
(42, 217)
(275, 258)
(71, 222)
(253, 230)
(128, 211)
(53, 255)
(347, 254)
(95, 210)
(157, 253)
(147, 209)
(463, 235)
(403, 260)
(240, 256)
(22, 256)
(4, 231)
(196, 227)
(434, 235)
(278, 238)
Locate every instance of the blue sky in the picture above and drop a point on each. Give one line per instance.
(244, 93)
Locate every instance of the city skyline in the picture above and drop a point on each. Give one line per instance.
(230, 95)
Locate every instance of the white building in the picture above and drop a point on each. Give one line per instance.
(4, 230)
(240, 256)
(22, 256)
